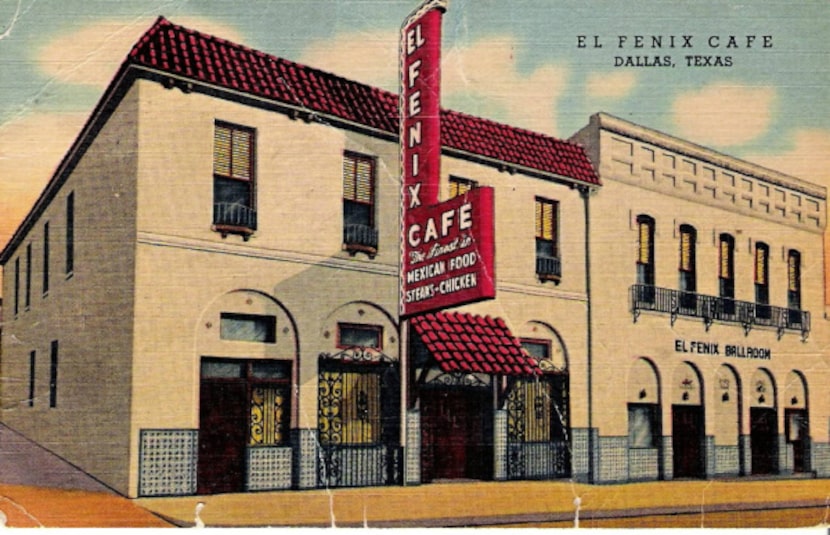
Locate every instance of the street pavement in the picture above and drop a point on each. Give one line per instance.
(38, 488)
(525, 503)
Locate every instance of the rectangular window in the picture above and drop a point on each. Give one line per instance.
(28, 276)
(367, 336)
(70, 233)
(548, 265)
(46, 258)
(53, 375)
(538, 349)
(32, 359)
(248, 327)
(460, 186)
(642, 425)
(234, 208)
(16, 285)
(359, 232)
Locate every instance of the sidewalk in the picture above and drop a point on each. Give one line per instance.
(490, 503)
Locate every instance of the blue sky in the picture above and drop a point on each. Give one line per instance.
(516, 62)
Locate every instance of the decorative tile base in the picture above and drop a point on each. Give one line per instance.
(500, 445)
(785, 456)
(412, 463)
(727, 461)
(580, 454)
(668, 458)
(269, 468)
(710, 461)
(613, 459)
(643, 464)
(167, 462)
(820, 458)
(746, 450)
(305, 458)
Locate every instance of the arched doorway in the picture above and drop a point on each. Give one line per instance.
(688, 433)
(797, 421)
(538, 410)
(247, 349)
(643, 394)
(727, 421)
(763, 423)
(358, 398)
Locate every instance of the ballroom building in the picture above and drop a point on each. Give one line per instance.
(707, 333)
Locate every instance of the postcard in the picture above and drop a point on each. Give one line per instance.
(414, 263)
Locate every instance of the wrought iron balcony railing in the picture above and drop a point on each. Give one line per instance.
(710, 309)
(360, 238)
(234, 218)
(548, 268)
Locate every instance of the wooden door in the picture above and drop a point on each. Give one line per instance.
(454, 434)
(763, 437)
(223, 432)
(687, 440)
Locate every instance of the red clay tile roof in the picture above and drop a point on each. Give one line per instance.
(177, 50)
(462, 342)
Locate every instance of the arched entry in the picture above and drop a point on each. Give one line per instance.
(538, 410)
(797, 421)
(763, 423)
(688, 433)
(247, 348)
(727, 421)
(644, 424)
(358, 398)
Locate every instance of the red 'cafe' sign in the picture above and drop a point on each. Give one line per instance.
(447, 249)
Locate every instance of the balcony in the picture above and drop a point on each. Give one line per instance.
(360, 239)
(234, 218)
(548, 268)
(710, 309)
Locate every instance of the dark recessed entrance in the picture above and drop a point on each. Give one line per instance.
(687, 440)
(763, 429)
(457, 430)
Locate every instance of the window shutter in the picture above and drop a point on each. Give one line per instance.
(222, 151)
(545, 227)
(793, 272)
(686, 251)
(645, 243)
(241, 154)
(725, 258)
(358, 179)
(232, 152)
(760, 265)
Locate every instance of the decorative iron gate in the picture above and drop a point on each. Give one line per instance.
(358, 422)
(537, 428)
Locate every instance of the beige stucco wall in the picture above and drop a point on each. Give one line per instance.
(88, 312)
(186, 274)
(678, 187)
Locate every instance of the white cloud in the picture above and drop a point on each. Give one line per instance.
(31, 147)
(614, 85)
(91, 55)
(724, 115)
(484, 73)
(809, 157)
(370, 57)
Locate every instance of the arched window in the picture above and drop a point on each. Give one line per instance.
(645, 251)
(726, 273)
(687, 267)
(762, 309)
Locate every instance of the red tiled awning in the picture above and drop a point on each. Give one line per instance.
(462, 342)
